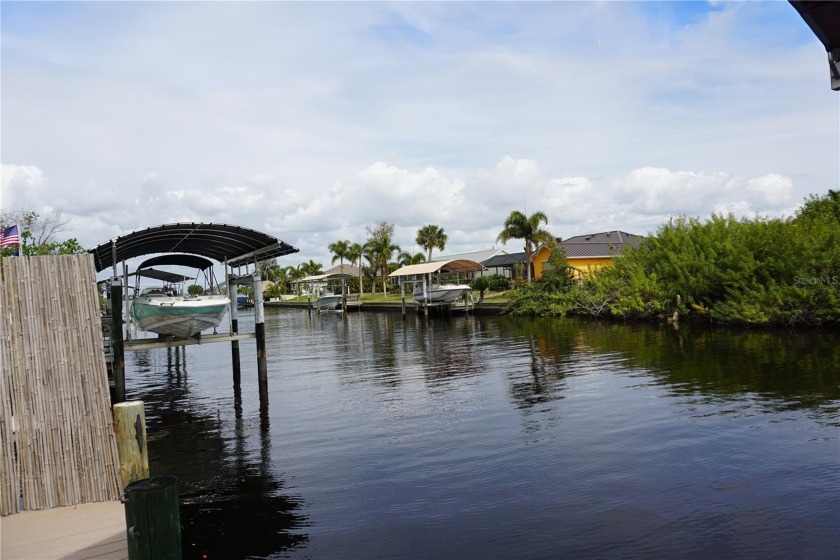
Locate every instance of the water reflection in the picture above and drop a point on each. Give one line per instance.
(391, 437)
(777, 370)
(223, 464)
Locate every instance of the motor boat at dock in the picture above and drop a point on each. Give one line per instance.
(167, 310)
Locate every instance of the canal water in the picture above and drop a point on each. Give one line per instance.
(500, 438)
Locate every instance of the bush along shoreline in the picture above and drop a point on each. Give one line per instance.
(753, 271)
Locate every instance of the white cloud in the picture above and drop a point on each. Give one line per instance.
(310, 123)
(20, 186)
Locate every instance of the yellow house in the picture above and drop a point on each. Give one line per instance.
(585, 253)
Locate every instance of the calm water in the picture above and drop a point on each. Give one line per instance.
(496, 438)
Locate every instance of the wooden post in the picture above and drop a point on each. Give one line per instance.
(259, 327)
(426, 298)
(402, 296)
(234, 328)
(117, 339)
(153, 519)
(130, 431)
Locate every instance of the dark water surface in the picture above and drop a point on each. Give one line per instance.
(499, 438)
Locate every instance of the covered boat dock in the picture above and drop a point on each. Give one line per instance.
(421, 274)
(231, 246)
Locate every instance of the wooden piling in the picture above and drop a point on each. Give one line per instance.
(259, 328)
(117, 339)
(130, 431)
(153, 519)
(233, 291)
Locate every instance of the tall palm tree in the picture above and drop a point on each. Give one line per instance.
(340, 250)
(527, 228)
(431, 236)
(354, 254)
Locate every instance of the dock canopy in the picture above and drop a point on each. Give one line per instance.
(191, 261)
(220, 242)
(454, 267)
(162, 275)
(325, 277)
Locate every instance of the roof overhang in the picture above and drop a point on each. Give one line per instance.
(823, 17)
(161, 275)
(454, 266)
(325, 277)
(221, 242)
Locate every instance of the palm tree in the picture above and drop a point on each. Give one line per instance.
(405, 258)
(354, 254)
(269, 269)
(431, 236)
(527, 228)
(310, 268)
(340, 250)
(293, 273)
(379, 252)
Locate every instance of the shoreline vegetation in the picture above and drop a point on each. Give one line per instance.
(753, 271)
(726, 271)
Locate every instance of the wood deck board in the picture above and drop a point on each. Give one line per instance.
(94, 531)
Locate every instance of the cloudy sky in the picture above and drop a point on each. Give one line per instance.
(310, 121)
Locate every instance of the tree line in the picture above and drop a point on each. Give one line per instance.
(750, 271)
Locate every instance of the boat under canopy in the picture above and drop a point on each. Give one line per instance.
(326, 296)
(457, 266)
(164, 311)
(426, 292)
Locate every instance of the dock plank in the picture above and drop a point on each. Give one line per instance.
(94, 531)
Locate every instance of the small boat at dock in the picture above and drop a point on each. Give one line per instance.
(440, 293)
(167, 310)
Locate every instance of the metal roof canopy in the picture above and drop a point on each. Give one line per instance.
(220, 242)
(455, 267)
(325, 277)
(191, 261)
(161, 275)
(824, 20)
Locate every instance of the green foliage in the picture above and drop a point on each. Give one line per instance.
(751, 271)
(39, 234)
(481, 284)
(557, 275)
(499, 283)
(195, 290)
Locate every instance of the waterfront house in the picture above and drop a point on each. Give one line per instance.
(588, 253)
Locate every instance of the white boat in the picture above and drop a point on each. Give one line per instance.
(328, 301)
(165, 311)
(440, 293)
(328, 289)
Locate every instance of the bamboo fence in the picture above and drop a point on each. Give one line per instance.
(56, 427)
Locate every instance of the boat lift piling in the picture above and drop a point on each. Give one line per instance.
(234, 328)
(118, 348)
(255, 280)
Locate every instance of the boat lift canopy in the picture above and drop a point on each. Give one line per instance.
(445, 267)
(221, 242)
(325, 277)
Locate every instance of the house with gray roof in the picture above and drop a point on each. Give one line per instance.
(586, 253)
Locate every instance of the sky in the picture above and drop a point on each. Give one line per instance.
(311, 121)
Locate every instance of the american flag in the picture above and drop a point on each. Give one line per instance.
(10, 236)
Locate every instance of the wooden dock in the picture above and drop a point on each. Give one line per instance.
(169, 342)
(94, 531)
